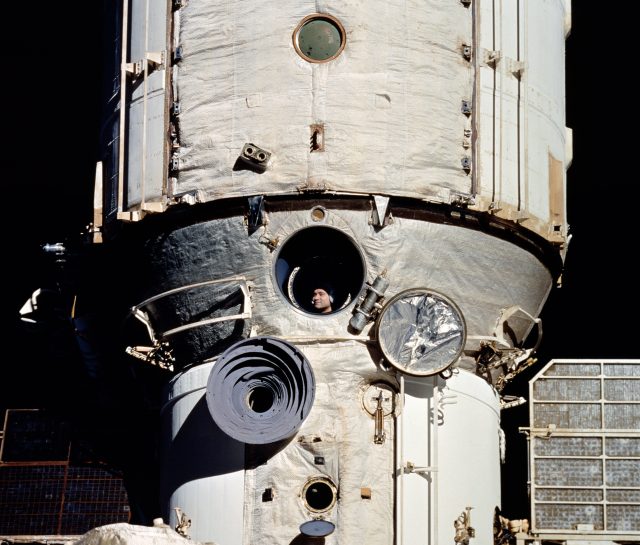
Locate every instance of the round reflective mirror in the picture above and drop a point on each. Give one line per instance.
(421, 332)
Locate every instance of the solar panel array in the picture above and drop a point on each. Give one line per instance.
(40, 496)
(585, 447)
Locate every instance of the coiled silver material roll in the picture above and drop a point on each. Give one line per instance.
(260, 390)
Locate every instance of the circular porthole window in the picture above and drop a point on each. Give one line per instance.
(319, 38)
(319, 494)
(319, 270)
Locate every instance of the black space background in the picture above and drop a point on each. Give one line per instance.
(51, 82)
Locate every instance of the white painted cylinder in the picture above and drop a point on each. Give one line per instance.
(447, 102)
(449, 447)
(468, 455)
(203, 469)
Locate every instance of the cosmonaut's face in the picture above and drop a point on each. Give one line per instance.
(321, 301)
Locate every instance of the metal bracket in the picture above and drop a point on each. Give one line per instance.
(466, 139)
(177, 54)
(464, 530)
(507, 402)
(133, 69)
(160, 354)
(491, 57)
(379, 216)
(516, 68)
(155, 59)
(462, 199)
(256, 216)
(194, 196)
(183, 523)
(271, 243)
(410, 467)
(174, 164)
(379, 435)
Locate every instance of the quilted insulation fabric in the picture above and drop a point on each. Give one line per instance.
(390, 103)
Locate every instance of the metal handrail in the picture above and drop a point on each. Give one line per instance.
(138, 313)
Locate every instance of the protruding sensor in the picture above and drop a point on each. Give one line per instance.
(260, 390)
(255, 157)
(367, 309)
(421, 332)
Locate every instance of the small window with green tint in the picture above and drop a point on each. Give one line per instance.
(319, 38)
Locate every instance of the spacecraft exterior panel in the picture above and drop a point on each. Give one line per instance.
(144, 91)
(390, 104)
(371, 151)
(460, 421)
(520, 128)
(440, 424)
(482, 274)
(414, 100)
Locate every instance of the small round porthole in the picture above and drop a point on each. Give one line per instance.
(319, 38)
(319, 494)
(320, 270)
(318, 213)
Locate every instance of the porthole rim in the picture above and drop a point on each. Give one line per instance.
(283, 296)
(319, 479)
(419, 291)
(314, 16)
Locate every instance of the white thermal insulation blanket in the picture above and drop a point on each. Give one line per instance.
(390, 103)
